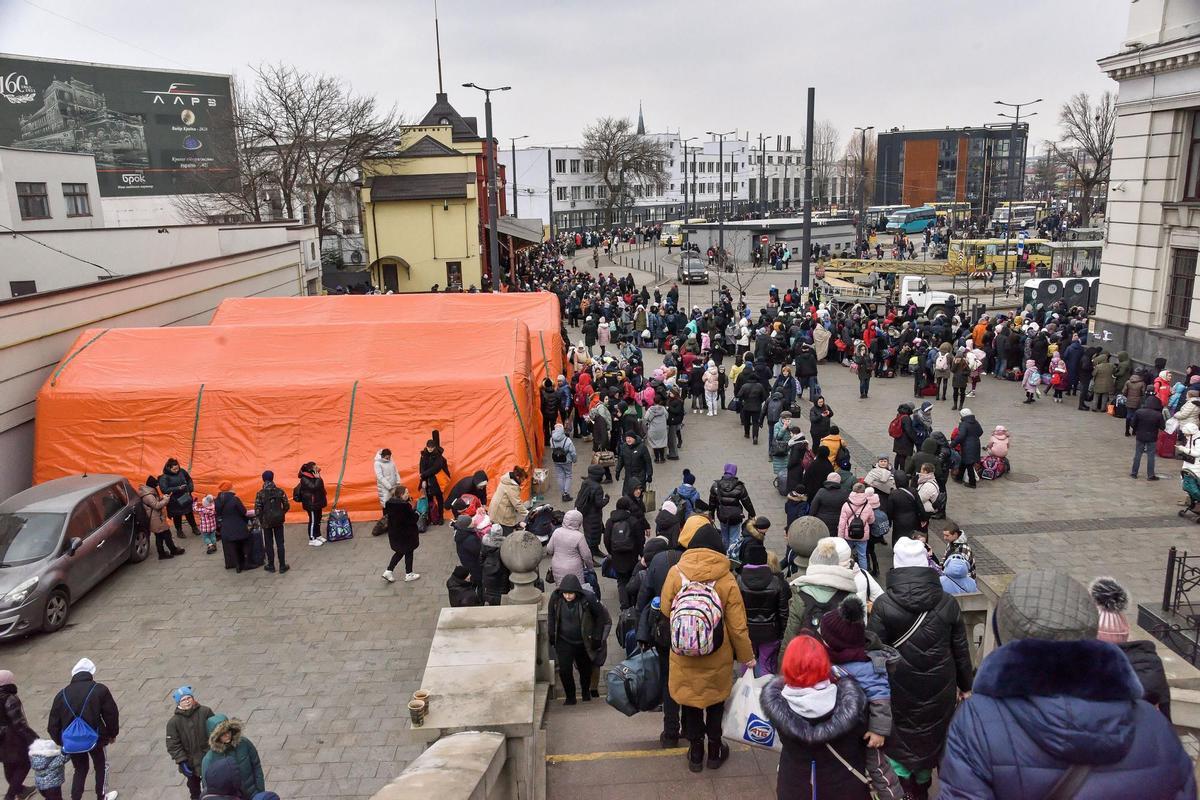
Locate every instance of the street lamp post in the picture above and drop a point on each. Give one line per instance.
(512, 140)
(493, 201)
(1016, 118)
(720, 203)
(686, 216)
(862, 179)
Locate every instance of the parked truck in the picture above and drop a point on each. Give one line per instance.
(908, 287)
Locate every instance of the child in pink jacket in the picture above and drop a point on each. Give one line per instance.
(861, 504)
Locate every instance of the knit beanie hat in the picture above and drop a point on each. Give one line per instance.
(909, 553)
(834, 478)
(1045, 604)
(268, 476)
(688, 477)
(844, 631)
(966, 412)
(825, 554)
(1111, 601)
(754, 552)
(182, 692)
(7, 678)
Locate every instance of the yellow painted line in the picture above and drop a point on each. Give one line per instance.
(565, 758)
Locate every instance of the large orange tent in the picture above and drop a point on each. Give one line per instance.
(539, 310)
(230, 402)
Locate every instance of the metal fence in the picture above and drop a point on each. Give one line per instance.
(1180, 629)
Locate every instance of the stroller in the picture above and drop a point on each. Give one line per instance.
(1190, 476)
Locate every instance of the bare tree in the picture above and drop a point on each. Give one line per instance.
(825, 166)
(863, 171)
(1045, 174)
(741, 275)
(1087, 142)
(623, 160)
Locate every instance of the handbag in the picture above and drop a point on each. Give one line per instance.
(744, 721)
(380, 527)
(422, 514)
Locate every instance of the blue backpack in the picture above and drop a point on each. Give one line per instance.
(79, 737)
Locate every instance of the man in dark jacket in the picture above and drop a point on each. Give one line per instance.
(925, 626)
(86, 699)
(467, 545)
(590, 502)
(624, 538)
(550, 407)
(15, 739)
(634, 459)
(577, 631)
(472, 484)
(752, 396)
(967, 439)
(828, 501)
(1035, 714)
(187, 737)
(727, 498)
(1147, 422)
(806, 369)
(270, 508)
(432, 462)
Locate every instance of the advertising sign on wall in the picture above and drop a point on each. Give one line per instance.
(153, 132)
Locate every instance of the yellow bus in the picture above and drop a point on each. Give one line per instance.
(672, 232)
(952, 211)
(981, 254)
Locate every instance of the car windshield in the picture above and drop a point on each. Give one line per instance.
(26, 538)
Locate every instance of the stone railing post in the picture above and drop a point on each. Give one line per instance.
(522, 552)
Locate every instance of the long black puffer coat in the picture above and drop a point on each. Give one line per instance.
(904, 509)
(935, 663)
(766, 597)
(590, 502)
(969, 433)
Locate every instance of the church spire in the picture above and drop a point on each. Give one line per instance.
(641, 129)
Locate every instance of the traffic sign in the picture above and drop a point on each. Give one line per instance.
(765, 239)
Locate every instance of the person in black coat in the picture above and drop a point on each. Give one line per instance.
(402, 533)
(1086, 371)
(1147, 423)
(472, 484)
(467, 545)
(310, 494)
(549, 400)
(817, 472)
(904, 509)
(629, 540)
(235, 532)
(826, 504)
(752, 396)
(667, 523)
(797, 450)
(766, 597)
(904, 444)
(1111, 601)
(590, 502)
(819, 418)
(16, 738)
(675, 414)
(934, 669)
(94, 704)
(967, 439)
(806, 369)
(460, 588)
(432, 462)
(177, 485)
(634, 459)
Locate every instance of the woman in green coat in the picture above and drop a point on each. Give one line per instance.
(225, 740)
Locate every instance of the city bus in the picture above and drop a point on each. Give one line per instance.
(953, 211)
(672, 232)
(911, 220)
(988, 254)
(876, 216)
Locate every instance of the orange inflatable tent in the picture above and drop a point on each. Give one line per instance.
(230, 402)
(538, 310)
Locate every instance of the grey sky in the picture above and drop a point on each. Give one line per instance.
(698, 65)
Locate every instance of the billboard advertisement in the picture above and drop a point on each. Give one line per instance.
(153, 132)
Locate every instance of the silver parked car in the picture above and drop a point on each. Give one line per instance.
(57, 541)
(692, 270)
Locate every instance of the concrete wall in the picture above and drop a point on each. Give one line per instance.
(37, 330)
(128, 212)
(53, 169)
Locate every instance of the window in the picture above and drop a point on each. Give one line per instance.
(574, 166)
(601, 192)
(33, 201)
(22, 288)
(76, 195)
(1191, 189)
(575, 190)
(560, 165)
(84, 520)
(589, 165)
(770, 159)
(1179, 288)
(560, 193)
(454, 275)
(112, 501)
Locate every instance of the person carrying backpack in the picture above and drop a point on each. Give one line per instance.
(15, 738)
(562, 458)
(823, 586)
(708, 630)
(270, 508)
(623, 539)
(84, 720)
(766, 596)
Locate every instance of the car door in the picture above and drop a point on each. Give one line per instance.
(81, 567)
(114, 529)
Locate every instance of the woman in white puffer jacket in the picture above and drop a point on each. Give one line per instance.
(386, 476)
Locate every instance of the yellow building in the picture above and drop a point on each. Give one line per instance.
(425, 206)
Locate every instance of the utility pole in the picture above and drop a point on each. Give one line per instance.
(720, 202)
(762, 179)
(808, 177)
(513, 141)
(1012, 142)
(493, 200)
(862, 179)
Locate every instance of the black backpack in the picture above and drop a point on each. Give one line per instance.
(274, 507)
(814, 610)
(558, 455)
(856, 530)
(622, 537)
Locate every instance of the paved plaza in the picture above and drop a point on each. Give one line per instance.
(320, 662)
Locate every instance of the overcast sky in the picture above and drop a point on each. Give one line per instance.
(695, 66)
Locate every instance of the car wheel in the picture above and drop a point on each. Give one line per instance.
(58, 607)
(935, 310)
(141, 547)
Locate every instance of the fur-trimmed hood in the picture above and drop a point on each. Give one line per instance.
(1076, 700)
(219, 724)
(848, 711)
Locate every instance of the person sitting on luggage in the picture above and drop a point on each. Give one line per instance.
(576, 632)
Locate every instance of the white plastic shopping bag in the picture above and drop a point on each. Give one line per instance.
(744, 720)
